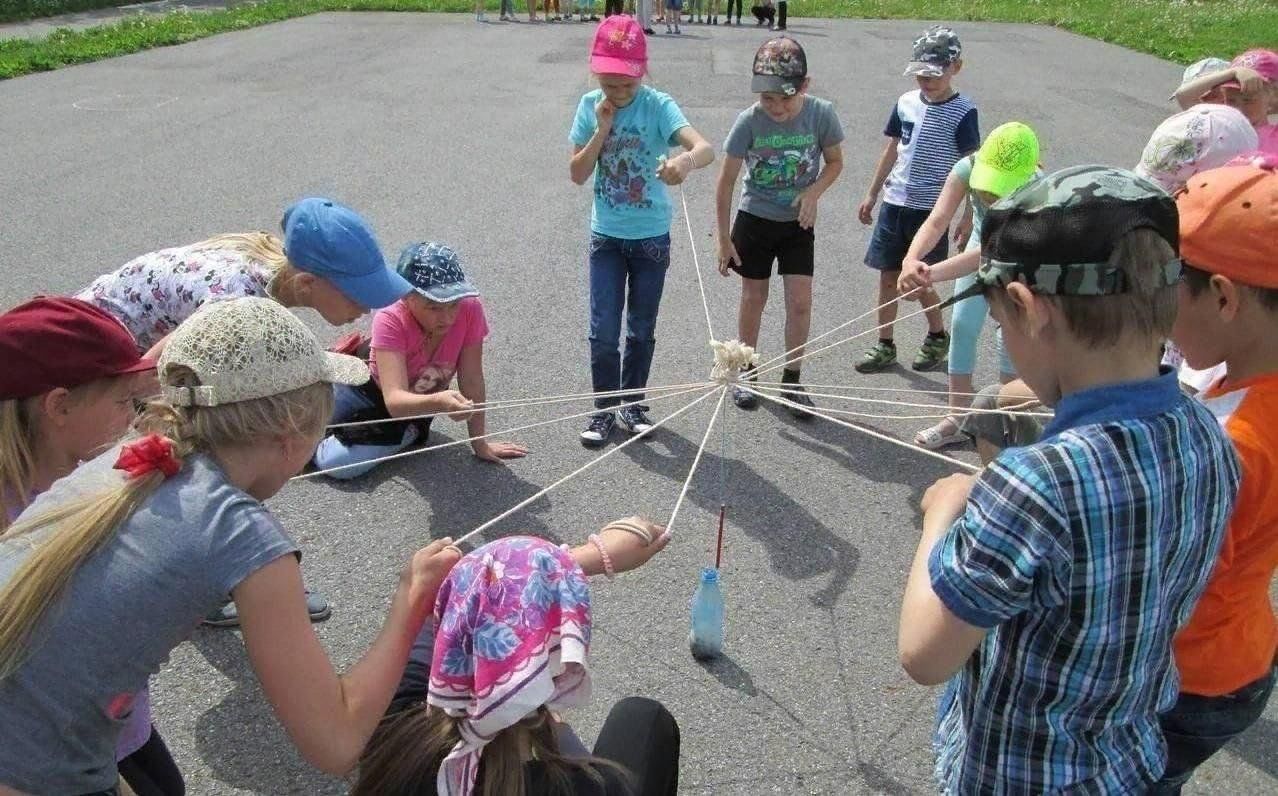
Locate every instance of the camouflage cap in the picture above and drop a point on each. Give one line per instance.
(780, 67)
(1056, 234)
(936, 49)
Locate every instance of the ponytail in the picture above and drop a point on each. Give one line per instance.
(71, 533)
(17, 460)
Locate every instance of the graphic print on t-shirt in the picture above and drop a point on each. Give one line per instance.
(621, 181)
(779, 162)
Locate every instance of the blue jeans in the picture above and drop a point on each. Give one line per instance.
(624, 275)
(350, 403)
(1198, 726)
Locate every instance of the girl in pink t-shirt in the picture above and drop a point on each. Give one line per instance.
(419, 345)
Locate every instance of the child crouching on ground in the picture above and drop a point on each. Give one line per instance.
(419, 345)
(1050, 587)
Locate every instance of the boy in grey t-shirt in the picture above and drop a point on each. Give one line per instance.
(781, 140)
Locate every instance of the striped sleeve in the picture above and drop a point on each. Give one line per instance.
(1007, 553)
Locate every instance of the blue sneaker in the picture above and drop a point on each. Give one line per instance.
(635, 419)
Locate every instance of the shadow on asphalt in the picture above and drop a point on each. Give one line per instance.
(800, 547)
(1257, 746)
(232, 736)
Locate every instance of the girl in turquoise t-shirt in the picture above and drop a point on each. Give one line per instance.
(621, 135)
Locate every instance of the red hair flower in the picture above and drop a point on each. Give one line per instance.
(146, 455)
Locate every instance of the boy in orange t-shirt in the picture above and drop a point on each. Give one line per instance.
(1229, 313)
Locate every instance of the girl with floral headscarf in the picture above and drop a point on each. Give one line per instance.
(475, 713)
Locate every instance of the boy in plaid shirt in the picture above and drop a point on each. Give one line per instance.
(1050, 586)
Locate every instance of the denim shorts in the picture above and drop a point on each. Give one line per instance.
(893, 232)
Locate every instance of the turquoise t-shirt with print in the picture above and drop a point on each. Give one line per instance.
(963, 170)
(630, 202)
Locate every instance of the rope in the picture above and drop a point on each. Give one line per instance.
(696, 263)
(754, 383)
(583, 468)
(420, 451)
(841, 326)
(858, 335)
(884, 437)
(696, 460)
(967, 410)
(520, 403)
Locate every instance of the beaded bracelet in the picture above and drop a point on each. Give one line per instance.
(603, 556)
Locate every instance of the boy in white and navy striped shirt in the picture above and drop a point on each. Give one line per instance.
(929, 130)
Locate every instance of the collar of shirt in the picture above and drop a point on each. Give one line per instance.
(1129, 400)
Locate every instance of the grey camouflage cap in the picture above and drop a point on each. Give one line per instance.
(1057, 233)
(936, 49)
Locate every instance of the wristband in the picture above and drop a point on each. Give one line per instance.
(692, 162)
(603, 556)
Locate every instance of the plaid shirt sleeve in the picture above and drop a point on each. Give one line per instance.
(1009, 552)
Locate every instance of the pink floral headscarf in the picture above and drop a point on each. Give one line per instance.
(513, 634)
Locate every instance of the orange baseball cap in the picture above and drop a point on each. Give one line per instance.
(1229, 222)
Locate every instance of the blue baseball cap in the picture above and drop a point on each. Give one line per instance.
(434, 270)
(329, 240)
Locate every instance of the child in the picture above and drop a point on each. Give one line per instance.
(545, 10)
(66, 394)
(621, 135)
(479, 11)
(674, 9)
(1053, 583)
(1201, 138)
(695, 7)
(471, 700)
(781, 139)
(150, 535)
(1253, 89)
(764, 13)
(419, 345)
(1229, 312)
(928, 131)
(781, 10)
(728, 19)
(1192, 92)
(1007, 160)
(328, 260)
(712, 12)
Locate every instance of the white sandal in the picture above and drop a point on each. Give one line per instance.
(935, 437)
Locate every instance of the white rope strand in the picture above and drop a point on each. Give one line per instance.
(884, 437)
(964, 410)
(521, 403)
(696, 460)
(840, 327)
(582, 469)
(696, 262)
(807, 354)
(420, 451)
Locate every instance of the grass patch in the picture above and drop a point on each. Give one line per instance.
(1179, 30)
(11, 10)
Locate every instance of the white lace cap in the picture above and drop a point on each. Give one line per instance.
(249, 348)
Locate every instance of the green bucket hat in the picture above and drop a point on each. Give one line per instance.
(1056, 234)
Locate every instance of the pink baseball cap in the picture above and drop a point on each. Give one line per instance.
(1263, 62)
(620, 47)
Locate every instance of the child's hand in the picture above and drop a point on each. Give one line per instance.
(605, 112)
(865, 212)
(1249, 79)
(629, 550)
(948, 496)
(425, 572)
(454, 404)
(807, 204)
(727, 256)
(914, 274)
(498, 451)
(676, 170)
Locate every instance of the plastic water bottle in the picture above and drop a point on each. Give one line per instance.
(706, 638)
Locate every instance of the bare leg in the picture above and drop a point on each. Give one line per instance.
(754, 297)
(798, 314)
(887, 311)
(935, 321)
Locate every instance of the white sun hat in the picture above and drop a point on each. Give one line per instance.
(249, 348)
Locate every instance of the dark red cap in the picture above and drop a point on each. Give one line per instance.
(53, 342)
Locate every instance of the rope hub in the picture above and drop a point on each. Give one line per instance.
(730, 359)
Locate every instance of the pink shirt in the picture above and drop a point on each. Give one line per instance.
(395, 329)
(1268, 134)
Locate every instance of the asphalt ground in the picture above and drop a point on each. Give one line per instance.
(439, 127)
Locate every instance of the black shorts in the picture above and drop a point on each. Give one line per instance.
(760, 241)
(894, 231)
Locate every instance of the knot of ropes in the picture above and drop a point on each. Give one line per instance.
(730, 359)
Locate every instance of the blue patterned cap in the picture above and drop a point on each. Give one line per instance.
(434, 270)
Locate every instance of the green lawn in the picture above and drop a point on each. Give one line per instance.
(1179, 30)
